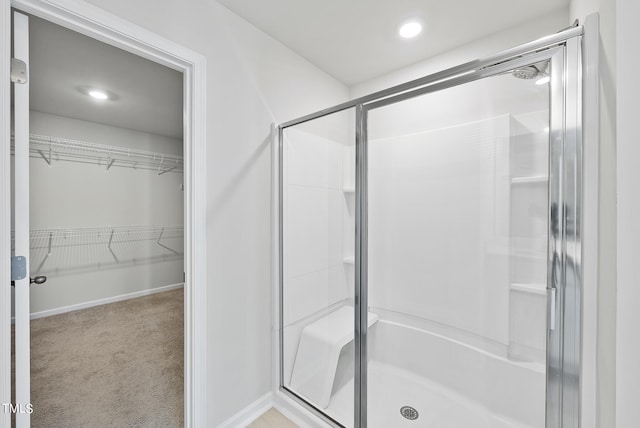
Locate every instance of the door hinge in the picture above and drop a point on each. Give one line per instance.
(19, 72)
(18, 268)
(551, 308)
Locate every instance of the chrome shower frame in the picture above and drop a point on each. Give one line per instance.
(564, 265)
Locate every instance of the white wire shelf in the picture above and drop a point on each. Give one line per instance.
(53, 149)
(82, 249)
(41, 238)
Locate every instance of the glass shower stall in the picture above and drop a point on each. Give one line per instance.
(429, 240)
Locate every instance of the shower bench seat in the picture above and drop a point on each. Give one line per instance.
(316, 362)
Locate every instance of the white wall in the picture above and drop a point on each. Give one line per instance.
(251, 82)
(628, 320)
(69, 195)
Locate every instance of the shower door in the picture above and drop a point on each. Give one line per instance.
(429, 240)
(467, 199)
(317, 264)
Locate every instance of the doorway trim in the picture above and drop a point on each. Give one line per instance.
(115, 31)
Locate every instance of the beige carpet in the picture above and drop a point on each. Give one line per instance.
(116, 365)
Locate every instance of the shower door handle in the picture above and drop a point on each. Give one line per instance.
(40, 279)
(551, 308)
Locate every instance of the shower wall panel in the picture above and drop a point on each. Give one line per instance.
(440, 198)
(437, 201)
(318, 229)
(314, 267)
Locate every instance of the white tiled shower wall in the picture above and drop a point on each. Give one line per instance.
(318, 225)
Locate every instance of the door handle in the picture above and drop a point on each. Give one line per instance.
(551, 308)
(40, 279)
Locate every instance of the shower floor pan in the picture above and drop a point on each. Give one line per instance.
(391, 388)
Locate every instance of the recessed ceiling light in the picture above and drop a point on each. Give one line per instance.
(99, 95)
(410, 29)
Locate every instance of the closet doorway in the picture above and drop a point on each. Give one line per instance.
(106, 235)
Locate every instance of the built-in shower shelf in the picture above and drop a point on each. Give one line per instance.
(349, 189)
(530, 179)
(532, 288)
(349, 260)
(319, 349)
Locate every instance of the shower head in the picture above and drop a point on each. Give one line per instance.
(527, 73)
(532, 71)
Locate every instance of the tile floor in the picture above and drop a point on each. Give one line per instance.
(272, 419)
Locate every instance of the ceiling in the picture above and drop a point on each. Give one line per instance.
(62, 62)
(356, 40)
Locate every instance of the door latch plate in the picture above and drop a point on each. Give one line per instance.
(18, 71)
(18, 268)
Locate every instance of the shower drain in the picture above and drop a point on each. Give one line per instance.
(409, 413)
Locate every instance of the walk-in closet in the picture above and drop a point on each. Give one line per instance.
(106, 234)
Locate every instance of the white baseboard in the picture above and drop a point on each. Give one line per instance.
(250, 413)
(104, 301)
